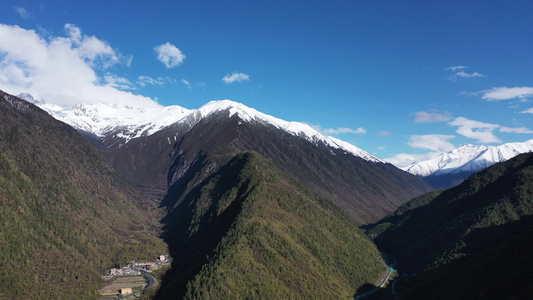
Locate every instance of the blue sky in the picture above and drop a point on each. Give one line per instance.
(400, 79)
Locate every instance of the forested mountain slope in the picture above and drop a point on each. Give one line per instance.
(365, 190)
(251, 231)
(474, 240)
(66, 215)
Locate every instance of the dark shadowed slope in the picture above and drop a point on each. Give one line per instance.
(250, 231)
(66, 216)
(475, 239)
(365, 190)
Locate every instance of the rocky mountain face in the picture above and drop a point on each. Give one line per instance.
(66, 214)
(472, 241)
(168, 158)
(364, 190)
(451, 168)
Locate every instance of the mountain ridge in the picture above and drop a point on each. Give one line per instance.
(451, 168)
(101, 120)
(366, 189)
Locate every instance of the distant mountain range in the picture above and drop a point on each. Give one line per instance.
(451, 168)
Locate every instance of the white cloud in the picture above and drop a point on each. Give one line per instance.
(22, 12)
(468, 75)
(118, 82)
(425, 117)
(169, 55)
(236, 77)
(516, 130)
(434, 142)
(202, 85)
(404, 159)
(482, 132)
(505, 93)
(62, 70)
(147, 80)
(455, 68)
(460, 73)
(527, 111)
(330, 131)
(187, 83)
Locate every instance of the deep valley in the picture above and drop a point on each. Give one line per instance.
(247, 206)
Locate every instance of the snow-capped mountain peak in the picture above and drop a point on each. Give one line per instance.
(296, 128)
(127, 122)
(468, 159)
(104, 118)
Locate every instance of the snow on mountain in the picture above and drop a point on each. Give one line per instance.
(296, 128)
(128, 122)
(102, 118)
(469, 159)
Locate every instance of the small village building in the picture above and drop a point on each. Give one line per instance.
(125, 291)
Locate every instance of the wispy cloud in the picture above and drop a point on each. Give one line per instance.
(22, 12)
(169, 55)
(434, 142)
(516, 130)
(236, 77)
(506, 93)
(201, 85)
(527, 111)
(330, 131)
(187, 84)
(468, 75)
(118, 82)
(455, 68)
(425, 117)
(334, 131)
(482, 132)
(458, 72)
(62, 69)
(147, 80)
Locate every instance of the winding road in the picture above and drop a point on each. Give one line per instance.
(384, 281)
(151, 282)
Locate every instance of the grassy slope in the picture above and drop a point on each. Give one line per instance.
(250, 231)
(66, 215)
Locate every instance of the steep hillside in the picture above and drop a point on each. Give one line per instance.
(250, 231)
(365, 190)
(153, 147)
(66, 216)
(474, 236)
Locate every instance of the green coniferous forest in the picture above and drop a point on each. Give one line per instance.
(250, 231)
(469, 242)
(66, 216)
